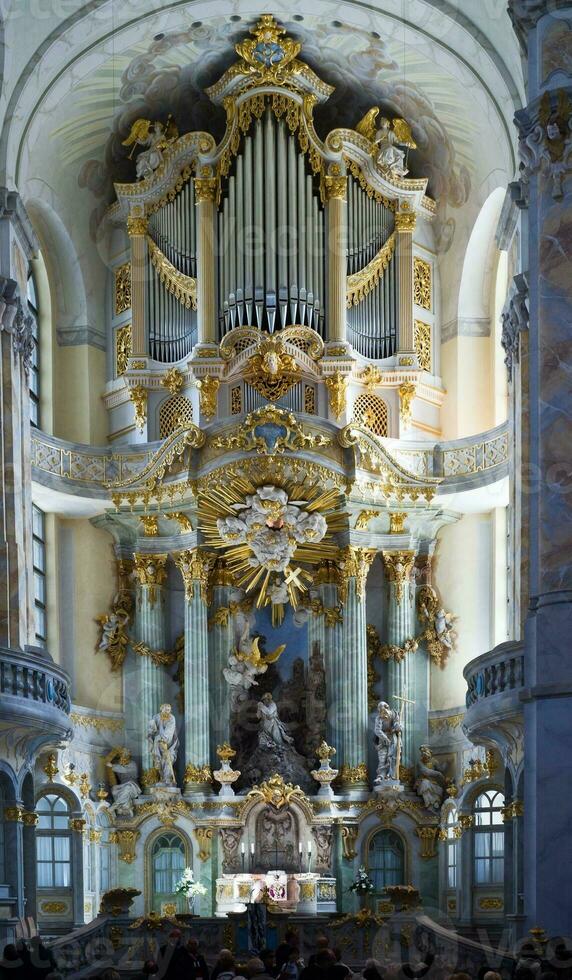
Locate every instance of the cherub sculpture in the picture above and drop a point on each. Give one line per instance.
(244, 666)
(387, 137)
(155, 136)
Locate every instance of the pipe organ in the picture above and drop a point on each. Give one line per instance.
(271, 261)
(171, 319)
(270, 229)
(372, 321)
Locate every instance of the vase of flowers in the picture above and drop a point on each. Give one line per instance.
(190, 888)
(363, 885)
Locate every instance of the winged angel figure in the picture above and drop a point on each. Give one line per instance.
(387, 136)
(155, 136)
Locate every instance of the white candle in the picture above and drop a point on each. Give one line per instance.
(252, 847)
(299, 847)
(309, 847)
(242, 848)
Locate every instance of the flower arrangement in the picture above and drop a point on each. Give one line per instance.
(363, 885)
(187, 885)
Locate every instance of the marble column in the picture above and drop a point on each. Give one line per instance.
(352, 714)
(334, 189)
(221, 642)
(194, 567)
(325, 647)
(150, 630)
(404, 228)
(206, 190)
(398, 567)
(543, 125)
(137, 231)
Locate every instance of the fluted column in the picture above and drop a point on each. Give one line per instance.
(220, 645)
(353, 706)
(137, 231)
(150, 630)
(194, 567)
(334, 191)
(206, 189)
(398, 566)
(325, 643)
(404, 228)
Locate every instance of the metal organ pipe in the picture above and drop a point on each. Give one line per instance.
(271, 235)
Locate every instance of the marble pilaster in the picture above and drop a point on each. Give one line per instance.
(398, 567)
(206, 192)
(194, 567)
(137, 230)
(546, 179)
(335, 190)
(404, 228)
(149, 630)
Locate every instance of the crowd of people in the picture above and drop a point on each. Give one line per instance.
(178, 959)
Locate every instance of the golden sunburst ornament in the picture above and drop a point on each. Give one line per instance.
(270, 532)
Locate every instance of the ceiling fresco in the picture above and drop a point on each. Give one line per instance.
(169, 73)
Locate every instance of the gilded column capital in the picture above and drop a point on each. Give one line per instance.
(150, 572)
(398, 567)
(334, 188)
(405, 221)
(206, 189)
(136, 225)
(195, 566)
(354, 563)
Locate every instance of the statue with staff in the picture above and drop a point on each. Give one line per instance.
(387, 738)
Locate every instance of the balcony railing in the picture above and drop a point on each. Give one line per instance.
(31, 681)
(497, 672)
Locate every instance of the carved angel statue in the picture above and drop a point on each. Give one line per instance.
(547, 145)
(155, 136)
(164, 743)
(245, 665)
(388, 136)
(387, 734)
(430, 784)
(114, 637)
(273, 526)
(439, 632)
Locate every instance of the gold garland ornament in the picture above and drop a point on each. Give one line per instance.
(361, 283)
(183, 288)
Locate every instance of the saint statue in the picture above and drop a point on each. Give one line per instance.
(430, 784)
(387, 737)
(123, 780)
(164, 743)
(271, 732)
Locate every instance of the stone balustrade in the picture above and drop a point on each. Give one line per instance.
(463, 464)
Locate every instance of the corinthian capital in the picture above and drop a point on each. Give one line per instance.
(354, 563)
(195, 565)
(398, 567)
(150, 572)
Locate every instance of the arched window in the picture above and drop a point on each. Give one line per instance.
(488, 838)
(386, 859)
(452, 849)
(53, 842)
(167, 864)
(34, 376)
